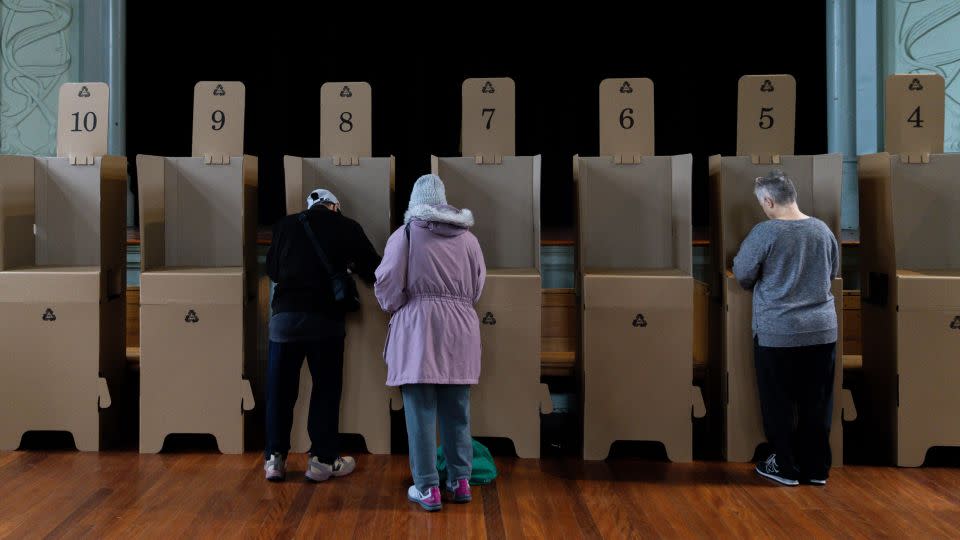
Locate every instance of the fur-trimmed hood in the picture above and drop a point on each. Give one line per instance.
(440, 214)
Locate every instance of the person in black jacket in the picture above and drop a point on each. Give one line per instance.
(307, 322)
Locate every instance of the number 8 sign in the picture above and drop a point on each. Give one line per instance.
(82, 120)
(346, 120)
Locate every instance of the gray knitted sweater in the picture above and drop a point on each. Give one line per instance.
(789, 266)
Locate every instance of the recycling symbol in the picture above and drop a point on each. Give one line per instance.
(191, 317)
(85, 92)
(488, 88)
(915, 84)
(346, 92)
(489, 319)
(625, 88)
(767, 86)
(955, 324)
(219, 91)
(49, 315)
(639, 321)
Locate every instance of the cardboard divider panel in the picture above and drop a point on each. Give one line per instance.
(910, 268)
(638, 302)
(735, 212)
(198, 233)
(62, 240)
(364, 191)
(505, 200)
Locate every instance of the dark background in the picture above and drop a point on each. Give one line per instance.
(284, 51)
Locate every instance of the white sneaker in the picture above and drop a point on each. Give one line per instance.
(320, 472)
(275, 468)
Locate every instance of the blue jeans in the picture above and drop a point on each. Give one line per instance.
(325, 359)
(422, 404)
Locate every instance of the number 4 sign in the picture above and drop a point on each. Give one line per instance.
(914, 115)
(82, 122)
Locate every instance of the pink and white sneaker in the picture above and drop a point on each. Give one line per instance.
(429, 501)
(461, 492)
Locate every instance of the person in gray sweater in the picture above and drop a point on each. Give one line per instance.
(789, 262)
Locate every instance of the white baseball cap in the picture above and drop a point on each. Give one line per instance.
(321, 196)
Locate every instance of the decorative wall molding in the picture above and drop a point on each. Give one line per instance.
(927, 34)
(35, 58)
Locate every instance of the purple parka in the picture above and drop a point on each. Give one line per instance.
(434, 334)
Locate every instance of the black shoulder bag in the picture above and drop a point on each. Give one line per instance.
(345, 294)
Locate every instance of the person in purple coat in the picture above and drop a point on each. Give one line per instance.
(431, 277)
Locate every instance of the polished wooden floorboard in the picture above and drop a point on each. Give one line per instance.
(126, 495)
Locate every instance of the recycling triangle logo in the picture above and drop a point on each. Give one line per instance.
(49, 315)
(346, 93)
(639, 321)
(489, 319)
(767, 86)
(956, 323)
(488, 88)
(191, 317)
(625, 88)
(219, 91)
(915, 84)
(84, 92)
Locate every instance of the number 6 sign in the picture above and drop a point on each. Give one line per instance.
(626, 118)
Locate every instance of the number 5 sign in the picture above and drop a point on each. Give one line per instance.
(489, 118)
(82, 121)
(626, 118)
(218, 120)
(766, 116)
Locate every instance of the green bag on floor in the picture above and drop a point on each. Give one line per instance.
(484, 470)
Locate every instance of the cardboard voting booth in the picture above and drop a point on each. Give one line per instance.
(910, 271)
(198, 278)
(63, 278)
(635, 265)
(364, 186)
(766, 111)
(503, 191)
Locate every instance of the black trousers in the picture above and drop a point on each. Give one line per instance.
(796, 399)
(325, 359)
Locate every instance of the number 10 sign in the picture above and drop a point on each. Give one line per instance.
(82, 121)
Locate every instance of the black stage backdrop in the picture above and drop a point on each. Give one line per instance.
(283, 51)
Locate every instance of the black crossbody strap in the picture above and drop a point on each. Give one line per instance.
(302, 218)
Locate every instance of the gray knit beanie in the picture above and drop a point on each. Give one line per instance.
(428, 190)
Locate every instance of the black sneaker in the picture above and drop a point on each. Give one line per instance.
(770, 469)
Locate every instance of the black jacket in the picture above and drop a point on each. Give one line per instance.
(302, 282)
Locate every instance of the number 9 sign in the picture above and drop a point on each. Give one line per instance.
(218, 115)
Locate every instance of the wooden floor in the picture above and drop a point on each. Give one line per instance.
(125, 495)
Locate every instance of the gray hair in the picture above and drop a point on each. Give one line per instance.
(776, 186)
